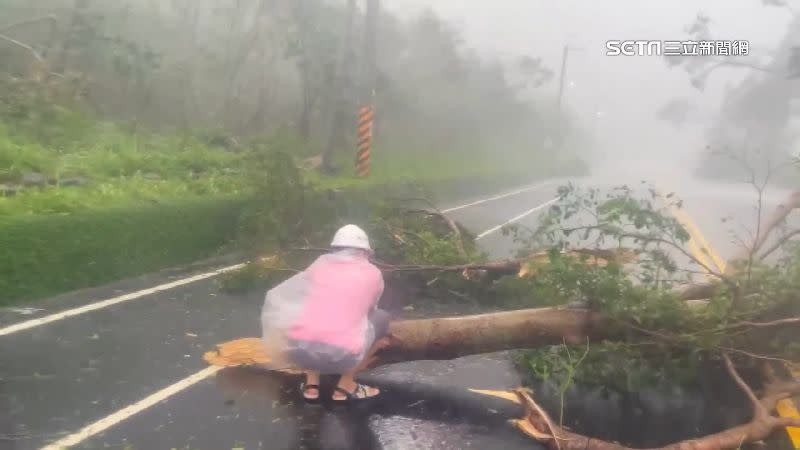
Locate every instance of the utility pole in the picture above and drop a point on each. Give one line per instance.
(564, 57)
(563, 74)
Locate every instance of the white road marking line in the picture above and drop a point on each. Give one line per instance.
(28, 324)
(151, 400)
(498, 197)
(17, 327)
(515, 219)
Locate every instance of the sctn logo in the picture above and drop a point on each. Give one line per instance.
(633, 48)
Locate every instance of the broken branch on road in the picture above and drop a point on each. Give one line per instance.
(538, 425)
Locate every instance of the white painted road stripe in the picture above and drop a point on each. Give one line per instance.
(515, 219)
(498, 197)
(151, 400)
(112, 301)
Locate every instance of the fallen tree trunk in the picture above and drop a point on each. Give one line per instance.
(440, 339)
(452, 337)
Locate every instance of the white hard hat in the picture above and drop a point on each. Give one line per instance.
(351, 236)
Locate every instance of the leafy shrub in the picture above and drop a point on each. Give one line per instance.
(284, 207)
(42, 255)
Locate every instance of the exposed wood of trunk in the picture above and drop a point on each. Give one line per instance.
(451, 337)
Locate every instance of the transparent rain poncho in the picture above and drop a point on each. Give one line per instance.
(282, 307)
(349, 286)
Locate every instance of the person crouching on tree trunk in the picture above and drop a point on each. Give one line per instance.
(336, 327)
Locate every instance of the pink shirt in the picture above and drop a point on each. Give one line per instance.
(343, 289)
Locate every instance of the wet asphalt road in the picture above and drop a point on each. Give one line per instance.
(57, 378)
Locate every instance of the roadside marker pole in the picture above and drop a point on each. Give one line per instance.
(366, 116)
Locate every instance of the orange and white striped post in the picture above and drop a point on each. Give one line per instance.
(366, 117)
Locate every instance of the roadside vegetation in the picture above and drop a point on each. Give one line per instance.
(123, 152)
(93, 202)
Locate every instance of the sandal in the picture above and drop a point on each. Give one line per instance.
(304, 390)
(358, 394)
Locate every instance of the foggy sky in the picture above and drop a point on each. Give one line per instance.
(627, 90)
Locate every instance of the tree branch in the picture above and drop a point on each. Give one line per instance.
(706, 290)
(512, 265)
(452, 225)
(680, 248)
(758, 409)
(508, 265)
(9, 26)
(781, 242)
(681, 340)
(774, 323)
(736, 63)
(23, 45)
(538, 425)
(778, 216)
(777, 391)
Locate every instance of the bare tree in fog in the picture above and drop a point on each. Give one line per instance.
(250, 67)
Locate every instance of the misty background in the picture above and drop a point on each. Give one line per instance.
(626, 91)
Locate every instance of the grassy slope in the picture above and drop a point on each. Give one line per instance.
(150, 202)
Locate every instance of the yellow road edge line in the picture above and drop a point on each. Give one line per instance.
(697, 242)
(786, 407)
(698, 236)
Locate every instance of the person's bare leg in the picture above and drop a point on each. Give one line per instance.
(347, 381)
(311, 378)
